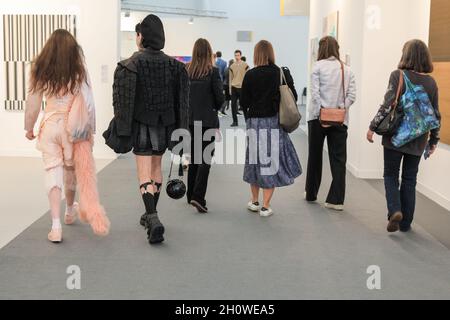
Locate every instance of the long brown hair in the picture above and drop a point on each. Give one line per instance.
(416, 57)
(202, 59)
(264, 54)
(328, 47)
(59, 68)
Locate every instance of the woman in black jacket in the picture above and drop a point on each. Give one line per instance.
(271, 161)
(150, 97)
(416, 64)
(206, 99)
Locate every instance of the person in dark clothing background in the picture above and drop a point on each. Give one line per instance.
(416, 64)
(150, 97)
(137, 29)
(220, 64)
(226, 85)
(206, 99)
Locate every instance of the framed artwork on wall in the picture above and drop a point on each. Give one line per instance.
(440, 49)
(24, 36)
(331, 25)
(184, 59)
(314, 51)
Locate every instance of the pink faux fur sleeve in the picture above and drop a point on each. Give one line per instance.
(32, 110)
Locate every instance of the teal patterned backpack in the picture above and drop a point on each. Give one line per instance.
(419, 115)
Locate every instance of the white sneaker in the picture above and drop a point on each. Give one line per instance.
(266, 212)
(254, 207)
(336, 207)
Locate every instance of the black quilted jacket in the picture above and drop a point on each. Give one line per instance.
(151, 88)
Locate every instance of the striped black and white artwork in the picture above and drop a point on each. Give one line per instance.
(24, 36)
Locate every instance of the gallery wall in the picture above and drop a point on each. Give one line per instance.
(372, 34)
(98, 34)
(289, 36)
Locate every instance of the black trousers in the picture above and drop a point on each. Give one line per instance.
(199, 169)
(235, 97)
(337, 149)
(226, 104)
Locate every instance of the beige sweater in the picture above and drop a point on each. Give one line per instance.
(237, 74)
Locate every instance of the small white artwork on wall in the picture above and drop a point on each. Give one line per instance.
(24, 36)
(331, 25)
(314, 51)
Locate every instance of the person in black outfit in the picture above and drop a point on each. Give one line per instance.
(206, 99)
(226, 85)
(150, 97)
(416, 64)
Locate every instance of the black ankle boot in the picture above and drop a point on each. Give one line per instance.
(150, 207)
(155, 229)
(157, 200)
(145, 215)
(150, 220)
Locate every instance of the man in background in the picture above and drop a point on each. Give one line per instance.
(226, 88)
(237, 74)
(221, 65)
(138, 36)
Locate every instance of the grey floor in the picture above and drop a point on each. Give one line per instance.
(302, 252)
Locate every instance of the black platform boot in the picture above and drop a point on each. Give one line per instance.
(156, 196)
(155, 229)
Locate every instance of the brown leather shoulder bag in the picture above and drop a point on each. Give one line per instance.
(334, 116)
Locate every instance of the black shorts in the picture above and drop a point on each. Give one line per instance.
(151, 140)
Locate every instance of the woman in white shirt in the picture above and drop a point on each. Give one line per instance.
(327, 92)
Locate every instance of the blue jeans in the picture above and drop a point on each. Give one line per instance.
(401, 198)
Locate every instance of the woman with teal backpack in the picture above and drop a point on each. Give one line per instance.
(415, 95)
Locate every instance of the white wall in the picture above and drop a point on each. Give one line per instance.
(254, 9)
(98, 34)
(373, 33)
(289, 35)
(185, 4)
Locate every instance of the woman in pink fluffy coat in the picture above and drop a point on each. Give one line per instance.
(59, 75)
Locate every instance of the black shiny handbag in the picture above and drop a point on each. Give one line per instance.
(176, 189)
(392, 121)
(120, 144)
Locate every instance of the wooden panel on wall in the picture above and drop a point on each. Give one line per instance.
(442, 76)
(440, 30)
(440, 49)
